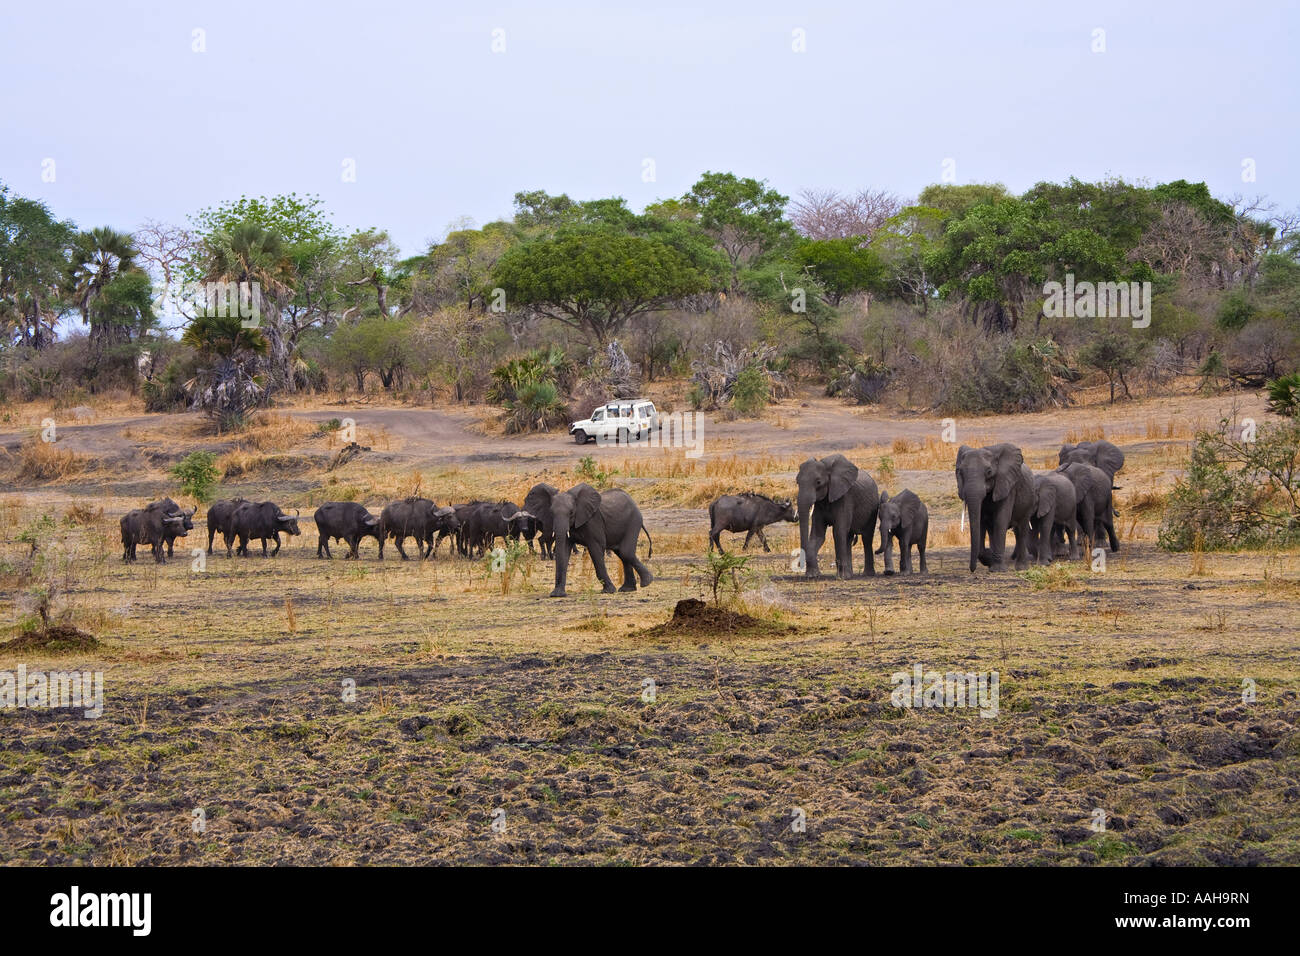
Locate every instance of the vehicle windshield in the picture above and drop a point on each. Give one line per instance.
(598, 414)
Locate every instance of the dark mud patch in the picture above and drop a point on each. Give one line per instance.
(57, 639)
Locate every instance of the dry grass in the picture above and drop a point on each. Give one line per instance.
(41, 461)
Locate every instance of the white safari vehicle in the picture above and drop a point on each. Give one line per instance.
(623, 421)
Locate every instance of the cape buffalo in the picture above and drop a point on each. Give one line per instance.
(219, 515)
(347, 521)
(487, 522)
(749, 512)
(155, 525)
(417, 518)
(262, 520)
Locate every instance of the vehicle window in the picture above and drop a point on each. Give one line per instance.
(598, 415)
(627, 411)
(613, 410)
(645, 411)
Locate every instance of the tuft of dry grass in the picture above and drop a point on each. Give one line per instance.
(43, 461)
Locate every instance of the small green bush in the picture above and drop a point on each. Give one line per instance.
(197, 475)
(752, 391)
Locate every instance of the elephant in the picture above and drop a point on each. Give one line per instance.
(903, 517)
(600, 522)
(998, 490)
(538, 504)
(832, 493)
(1055, 513)
(1102, 454)
(1095, 509)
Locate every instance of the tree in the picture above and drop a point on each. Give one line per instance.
(100, 258)
(956, 201)
(827, 214)
(1115, 354)
(742, 216)
(304, 290)
(34, 250)
(843, 267)
(167, 251)
(594, 280)
(905, 244)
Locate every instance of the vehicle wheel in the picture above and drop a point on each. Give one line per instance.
(580, 437)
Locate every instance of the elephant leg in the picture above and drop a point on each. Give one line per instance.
(843, 550)
(920, 544)
(905, 553)
(629, 575)
(868, 536)
(1023, 534)
(598, 562)
(1109, 524)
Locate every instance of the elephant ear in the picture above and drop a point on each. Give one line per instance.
(538, 501)
(1006, 470)
(586, 504)
(1109, 458)
(843, 473)
(1046, 497)
(1064, 457)
(884, 496)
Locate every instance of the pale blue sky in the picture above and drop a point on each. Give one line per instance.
(440, 127)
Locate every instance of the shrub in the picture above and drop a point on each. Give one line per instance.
(1016, 375)
(197, 474)
(751, 392)
(1237, 493)
(1284, 395)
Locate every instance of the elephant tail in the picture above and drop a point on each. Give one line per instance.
(650, 553)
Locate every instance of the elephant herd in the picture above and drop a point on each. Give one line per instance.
(1052, 514)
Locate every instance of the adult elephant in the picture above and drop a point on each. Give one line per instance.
(997, 489)
(1096, 507)
(1101, 454)
(599, 522)
(538, 504)
(834, 494)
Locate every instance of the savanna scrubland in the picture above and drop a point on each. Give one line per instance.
(851, 323)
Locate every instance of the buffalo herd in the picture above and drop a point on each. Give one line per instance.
(1051, 514)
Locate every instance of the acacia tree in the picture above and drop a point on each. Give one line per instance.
(595, 280)
(743, 217)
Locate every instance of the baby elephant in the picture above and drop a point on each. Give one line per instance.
(903, 517)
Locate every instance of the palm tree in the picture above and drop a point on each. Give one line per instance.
(248, 253)
(99, 258)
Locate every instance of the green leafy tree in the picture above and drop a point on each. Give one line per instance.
(34, 260)
(596, 280)
(743, 217)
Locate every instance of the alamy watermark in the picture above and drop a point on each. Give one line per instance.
(1098, 300)
(668, 430)
(921, 688)
(57, 689)
(216, 299)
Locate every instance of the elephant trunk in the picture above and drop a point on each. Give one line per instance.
(976, 532)
(887, 547)
(561, 552)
